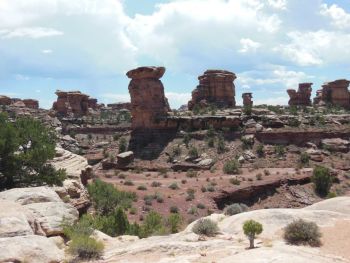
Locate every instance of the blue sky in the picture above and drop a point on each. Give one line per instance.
(89, 45)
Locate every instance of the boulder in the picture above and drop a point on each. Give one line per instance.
(51, 215)
(13, 220)
(336, 144)
(30, 248)
(30, 195)
(125, 158)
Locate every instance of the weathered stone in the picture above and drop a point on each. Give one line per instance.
(120, 106)
(125, 158)
(30, 248)
(146, 73)
(215, 87)
(300, 97)
(336, 144)
(13, 220)
(247, 99)
(32, 104)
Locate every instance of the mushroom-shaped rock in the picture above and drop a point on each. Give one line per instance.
(146, 73)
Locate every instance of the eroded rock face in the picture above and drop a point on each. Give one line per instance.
(301, 97)
(4, 100)
(32, 104)
(215, 87)
(335, 93)
(73, 103)
(148, 102)
(247, 99)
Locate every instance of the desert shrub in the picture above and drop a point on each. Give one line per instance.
(292, 122)
(159, 198)
(156, 184)
(116, 137)
(211, 142)
(331, 195)
(82, 245)
(174, 209)
(235, 209)
(86, 247)
(203, 189)
(293, 110)
(187, 139)
(190, 194)
(142, 188)
(247, 110)
(193, 152)
(247, 143)
(128, 183)
(26, 146)
(235, 181)
(174, 186)
(173, 222)
(105, 197)
(192, 210)
(259, 176)
(231, 167)
(210, 132)
(322, 180)
(260, 150)
(153, 225)
(205, 227)
(191, 173)
(280, 150)
(221, 148)
(304, 158)
(301, 232)
(200, 206)
(252, 228)
(122, 145)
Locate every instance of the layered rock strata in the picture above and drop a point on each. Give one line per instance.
(335, 93)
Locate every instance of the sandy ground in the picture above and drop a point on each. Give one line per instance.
(336, 240)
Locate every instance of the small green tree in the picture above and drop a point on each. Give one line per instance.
(153, 224)
(122, 222)
(260, 150)
(187, 139)
(173, 222)
(26, 146)
(322, 180)
(252, 228)
(304, 158)
(231, 167)
(193, 152)
(122, 145)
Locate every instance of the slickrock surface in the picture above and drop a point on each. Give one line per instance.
(231, 244)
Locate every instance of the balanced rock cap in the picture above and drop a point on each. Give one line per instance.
(146, 73)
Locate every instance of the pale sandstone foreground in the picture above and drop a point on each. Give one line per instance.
(230, 246)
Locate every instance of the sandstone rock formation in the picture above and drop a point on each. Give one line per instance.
(300, 97)
(148, 102)
(42, 207)
(4, 100)
(30, 103)
(335, 93)
(247, 99)
(230, 244)
(73, 103)
(120, 106)
(215, 87)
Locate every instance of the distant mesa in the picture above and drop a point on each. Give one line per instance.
(301, 97)
(15, 102)
(73, 104)
(120, 106)
(215, 87)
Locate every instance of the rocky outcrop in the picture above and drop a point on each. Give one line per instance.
(215, 87)
(4, 100)
(230, 245)
(73, 104)
(120, 106)
(42, 207)
(31, 104)
(336, 145)
(247, 99)
(148, 102)
(30, 248)
(334, 93)
(301, 97)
